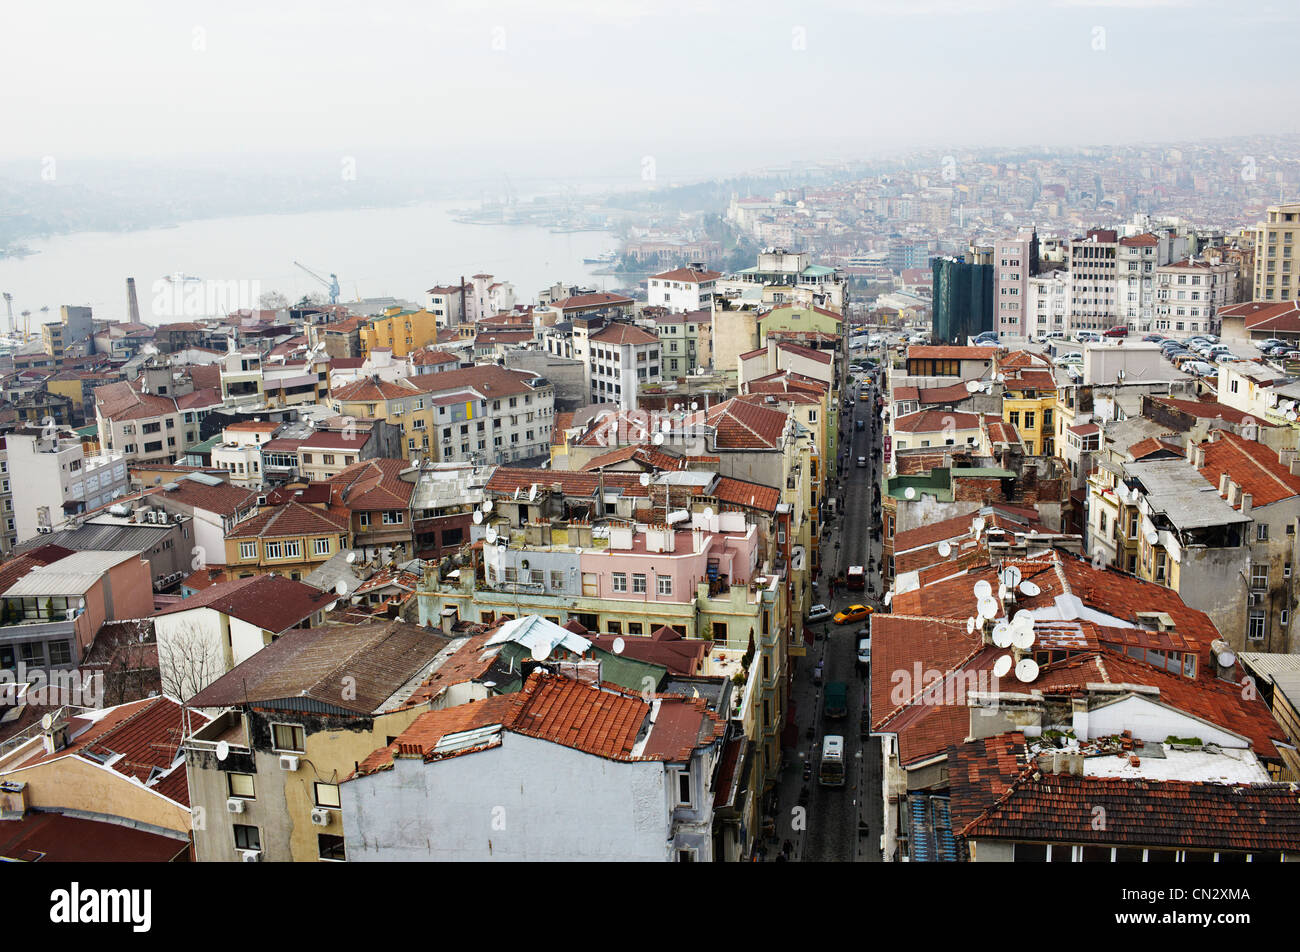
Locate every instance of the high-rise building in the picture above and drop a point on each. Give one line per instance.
(963, 299)
(1015, 261)
(1275, 242)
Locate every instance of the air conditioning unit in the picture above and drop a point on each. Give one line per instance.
(288, 762)
(234, 805)
(250, 856)
(320, 816)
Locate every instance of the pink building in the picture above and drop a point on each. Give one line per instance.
(666, 563)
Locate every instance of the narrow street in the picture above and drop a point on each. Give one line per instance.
(828, 829)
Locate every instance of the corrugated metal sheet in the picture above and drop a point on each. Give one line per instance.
(70, 576)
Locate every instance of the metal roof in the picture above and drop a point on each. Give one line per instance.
(68, 576)
(1183, 494)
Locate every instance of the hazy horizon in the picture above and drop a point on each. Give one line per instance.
(585, 90)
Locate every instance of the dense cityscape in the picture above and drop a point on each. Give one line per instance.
(890, 505)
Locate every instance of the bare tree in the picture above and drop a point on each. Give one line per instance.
(273, 301)
(188, 661)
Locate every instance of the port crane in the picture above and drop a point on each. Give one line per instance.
(332, 284)
(9, 305)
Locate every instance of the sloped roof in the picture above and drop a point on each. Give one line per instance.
(741, 425)
(271, 602)
(934, 421)
(379, 658)
(1253, 466)
(373, 484)
(619, 333)
(289, 519)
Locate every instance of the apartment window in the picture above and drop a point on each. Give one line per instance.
(393, 517)
(327, 795)
(363, 520)
(720, 631)
(1261, 532)
(328, 460)
(240, 785)
(330, 847)
(557, 580)
(1255, 626)
(615, 627)
(665, 585)
(321, 546)
(61, 652)
(247, 837)
(248, 550)
(293, 549)
(638, 583)
(1285, 618)
(1259, 578)
(289, 737)
(684, 788)
(274, 550)
(620, 581)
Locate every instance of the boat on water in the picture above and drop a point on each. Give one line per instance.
(609, 257)
(179, 277)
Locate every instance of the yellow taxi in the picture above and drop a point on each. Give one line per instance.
(852, 613)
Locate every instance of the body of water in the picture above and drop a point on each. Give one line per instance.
(398, 252)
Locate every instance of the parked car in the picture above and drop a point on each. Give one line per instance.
(864, 650)
(1187, 357)
(1119, 330)
(819, 613)
(853, 613)
(1067, 358)
(1152, 339)
(1270, 342)
(1199, 368)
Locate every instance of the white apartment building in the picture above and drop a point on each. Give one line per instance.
(1138, 257)
(51, 478)
(142, 427)
(9, 536)
(487, 297)
(446, 302)
(683, 289)
(1013, 260)
(619, 360)
(1047, 303)
(1189, 294)
(240, 451)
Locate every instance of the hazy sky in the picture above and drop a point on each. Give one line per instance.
(702, 86)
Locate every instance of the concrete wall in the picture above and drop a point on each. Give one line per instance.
(525, 800)
(568, 376)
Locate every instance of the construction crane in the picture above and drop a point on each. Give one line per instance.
(9, 306)
(332, 284)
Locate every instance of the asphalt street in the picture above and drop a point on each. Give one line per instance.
(821, 823)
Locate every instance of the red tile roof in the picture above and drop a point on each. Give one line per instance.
(949, 352)
(120, 401)
(1209, 409)
(373, 484)
(741, 425)
(934, 421)
(1157, 814)
(738, 492)
(56, 838)
(1265, 316)
(288, 520)
(591, 301)
(688, 275)
(1253, 466)
(147, 736)
(1152, 445)
(620, 333)
(271, 602)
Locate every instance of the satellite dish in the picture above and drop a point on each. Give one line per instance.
(541, 651)
(1023, 619)
(487, 505)
(578, 551)
(1291, 415)
(1026, 670)
(645, 479)
(945, 549)
(1002, 666)
(1024, 640)
(708, 512)
(694, 405)
(223, 750)
(973, 385)
(352, 558)
(1030, 588)
(978, 525)
(970, 625)
(658, 440)
(889, 597)
(618, 646)
(341, 587)
(983, 589)
(988, 606)
(478, 518)
(1011, 577)
(909, 493)
(1152, 537)
(532, 492)
(1002, 635)
(47, 722)
(331, 606)
(491, 534)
